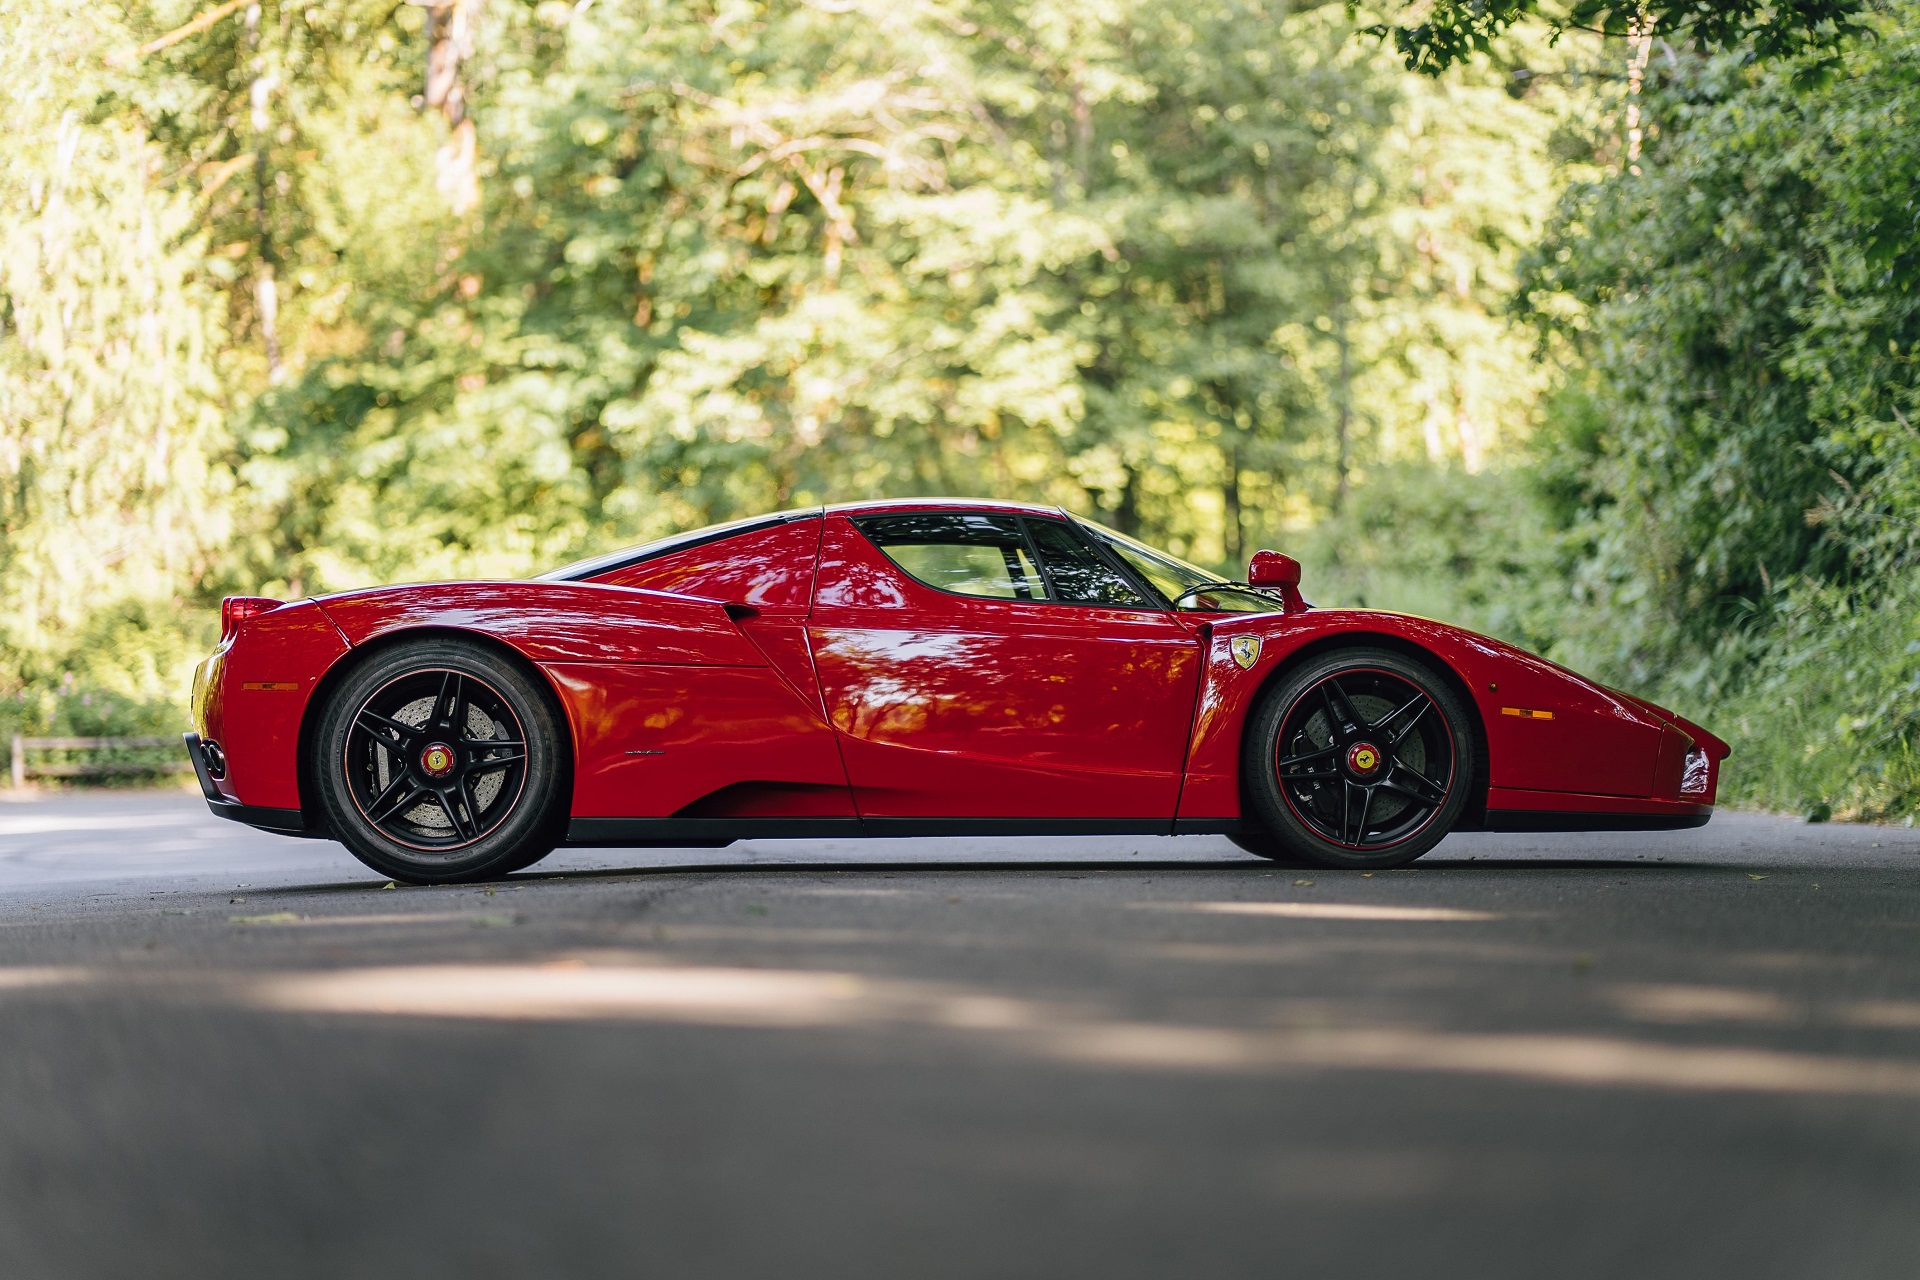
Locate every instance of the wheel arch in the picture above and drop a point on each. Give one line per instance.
(310, 809)
(1473, 817)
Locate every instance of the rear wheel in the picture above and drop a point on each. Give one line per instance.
(1360, 758)
(441, 761)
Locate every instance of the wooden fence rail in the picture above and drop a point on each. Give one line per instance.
(22, 769)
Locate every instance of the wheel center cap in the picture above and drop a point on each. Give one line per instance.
(437, 760)
(1363, 758)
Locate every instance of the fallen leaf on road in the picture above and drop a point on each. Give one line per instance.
(1305, 884)
(389, 885)
(277, 917)
(1752, 876)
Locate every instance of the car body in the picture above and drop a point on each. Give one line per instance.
(788, 676)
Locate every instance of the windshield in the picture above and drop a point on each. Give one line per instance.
(1170, 576)
(1179, 581)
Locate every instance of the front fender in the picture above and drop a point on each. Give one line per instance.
(1546, 728)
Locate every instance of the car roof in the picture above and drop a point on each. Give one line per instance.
(583, 570)
(894, 506)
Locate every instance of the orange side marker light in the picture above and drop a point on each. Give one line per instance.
(271, 686)
(1526, 713)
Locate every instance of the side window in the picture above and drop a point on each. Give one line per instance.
(974, 555)
(1078, 574)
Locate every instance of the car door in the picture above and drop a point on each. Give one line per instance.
(713, 742)
(992, 666)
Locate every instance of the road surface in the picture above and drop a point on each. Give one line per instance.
(1681, 1055)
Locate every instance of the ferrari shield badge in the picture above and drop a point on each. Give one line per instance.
(1246, 650)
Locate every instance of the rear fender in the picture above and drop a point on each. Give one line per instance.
(259, 685)
(555, 621)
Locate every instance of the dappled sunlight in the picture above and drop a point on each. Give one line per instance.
(1680, 1004)
(1891, 1015)
(734, 997)
(47, 976)
(1324, 910)
(1570, 1060)
(630, 986)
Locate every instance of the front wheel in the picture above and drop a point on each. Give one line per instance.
(1360, 758)
(440, 761)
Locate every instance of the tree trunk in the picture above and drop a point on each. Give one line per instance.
(1343, 426)
(1236, 536)
(266, 289)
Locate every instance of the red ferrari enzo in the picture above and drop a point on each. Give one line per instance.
(925, 667)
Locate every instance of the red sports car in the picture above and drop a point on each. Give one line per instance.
(926, 667)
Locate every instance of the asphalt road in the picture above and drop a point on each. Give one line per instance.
(1690, 1055)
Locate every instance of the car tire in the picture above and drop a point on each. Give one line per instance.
(1263, 845)
(440, 761)
(1360, 757)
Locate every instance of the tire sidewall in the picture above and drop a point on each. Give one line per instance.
(526, 834)
(1268, 805)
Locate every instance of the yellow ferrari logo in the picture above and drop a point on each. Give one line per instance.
(1245, 650)
(437, 759)
(1365, 758)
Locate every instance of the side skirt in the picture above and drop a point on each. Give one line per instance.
(681, 832)
(1533, 820)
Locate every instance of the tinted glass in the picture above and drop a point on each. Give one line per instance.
(1190, 587)
(974, 555)
(1078, 574)
(1169, 575)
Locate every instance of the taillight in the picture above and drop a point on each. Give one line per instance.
(235, 610)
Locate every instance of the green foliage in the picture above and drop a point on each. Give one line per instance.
(1735, 455)
(1476, 550)
(1447, 32)
(1826, 705)
(112, 436)
(1185, 265)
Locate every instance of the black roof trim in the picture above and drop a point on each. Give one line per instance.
(582, 570)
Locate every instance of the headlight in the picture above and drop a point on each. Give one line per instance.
(1697, 774)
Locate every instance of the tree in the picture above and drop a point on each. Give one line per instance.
(1447, 32)
(112, 434)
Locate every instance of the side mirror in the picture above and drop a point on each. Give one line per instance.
(1280, 573)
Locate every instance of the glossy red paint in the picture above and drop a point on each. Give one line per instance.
(259, 729)
(793, 671)
(651, 740)
(956, 706)
(1597, 742)
(555, 621)
(769, 569)
(1281, 572)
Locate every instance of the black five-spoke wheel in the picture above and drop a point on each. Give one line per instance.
(436, 759)
(1360, 758)
(439, 761)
